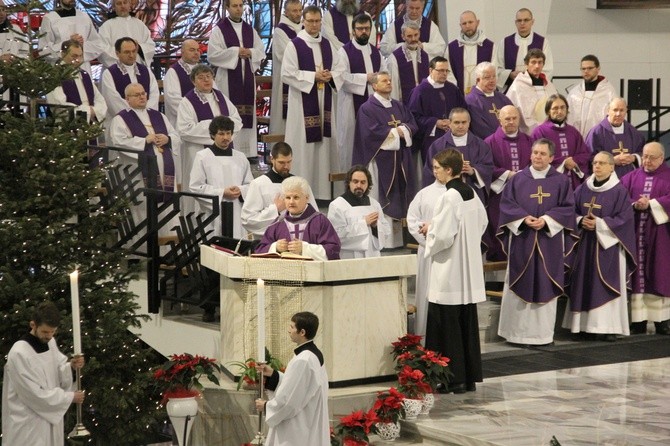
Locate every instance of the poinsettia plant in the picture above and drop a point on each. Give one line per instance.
(388, 406)
(354, 428)
(180, 375)
(249, 373)
(434, 366)
(404, 344)
(412, 383)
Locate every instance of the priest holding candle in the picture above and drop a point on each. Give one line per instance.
(38, 385)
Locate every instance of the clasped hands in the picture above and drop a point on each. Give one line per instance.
(534, 222)
(294, 246)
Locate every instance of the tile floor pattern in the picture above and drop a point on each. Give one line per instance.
(616, 404)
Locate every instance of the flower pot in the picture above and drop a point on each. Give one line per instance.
(412, 408)
(388, 431)
(428, 403)
(182, 412)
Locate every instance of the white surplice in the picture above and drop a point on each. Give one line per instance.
(279, 42)
(530, 101)
(356, 236)
(434, 47)
(522, 42)
(588, 108)
(114, 29)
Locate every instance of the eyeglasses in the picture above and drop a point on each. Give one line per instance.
(204, 77)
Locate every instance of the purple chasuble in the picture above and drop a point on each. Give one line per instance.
(484, 111)
(508, 154)
(291, 34)
(357, 65)
(310, 101)
(408, 80)
(602, 137)
(185, 82)
(428, 104)
(476, 151)
(512, 49)
(72, 92)
(312, 227)
(424, 32)
(122, 80)
(137, 128)
(536, 261)
(594, 278)
(653, 240)
(569, 143)
(395, 167)
(484, 54)
(241, 85)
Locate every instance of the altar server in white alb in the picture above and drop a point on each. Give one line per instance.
(125, 25)
(222, 171)
(37, 386)
(298, 413)
(357, 218)
(264, 201)
(456, 277)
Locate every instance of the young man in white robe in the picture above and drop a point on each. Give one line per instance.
(298, 413)
(222, 171)
(38, 384)
(125, 25)
(357, 218)
(456, 283)
(265, 201)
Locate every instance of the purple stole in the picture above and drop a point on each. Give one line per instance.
(641, 235)
(357, 65)
(202, 109)
(241, 88)
(424, 33)
(406, 72)
(121, 81)
(138, 129)
(185, 81)
(72, 92)
(512, 49)
(310, 101)
(341, 25)
(484, 54)
(284, 87)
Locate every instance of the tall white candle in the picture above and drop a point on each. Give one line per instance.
(260, 292)
(76, 328)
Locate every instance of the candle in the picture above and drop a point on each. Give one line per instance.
(76, 328)
(260, 292)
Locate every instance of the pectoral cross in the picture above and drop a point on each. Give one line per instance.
(495, 111)
(592, 205)
(539, 195)
(620, 150)
(394, 122)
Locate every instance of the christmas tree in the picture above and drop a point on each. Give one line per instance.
(51, 223)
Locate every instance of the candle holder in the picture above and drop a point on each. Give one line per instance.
(79, 429)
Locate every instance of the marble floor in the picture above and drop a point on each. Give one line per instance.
(617, 404)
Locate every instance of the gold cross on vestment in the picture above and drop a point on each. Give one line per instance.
(592, 205)
(495, 111)
(620, 150)
(539, 195)
(394, 122)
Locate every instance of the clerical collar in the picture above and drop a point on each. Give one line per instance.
(539, 173)
(217, 151)
(597, 183)
(63, 12)
(235, 20)
(385, 102)
(619, 130)
(275, 177)
(433, 83)
(460, 141)
(591, 86)
(353, 200)
(310, 347)
(528, 37)
(35, 343)
(512, 135)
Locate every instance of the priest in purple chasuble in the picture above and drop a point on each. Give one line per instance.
(361, 61)
(407, 64)
(224, 172)
(286, 30)
(649, 190)
(485, 101)
(236, 50)
(511, 149)
(467, 51)
(194, 115)
(338, 20)
(572, 153)
(313, 71)
(616, 135)
(477, 157)
(604, 256)
(431, 102)
(431, 38)
(177, 81)
(147, 130)
(537, 216)
(382, 143)
(300, 229)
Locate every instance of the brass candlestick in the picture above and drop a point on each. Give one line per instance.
(79, 429)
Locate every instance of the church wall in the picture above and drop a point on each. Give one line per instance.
(631, 44)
